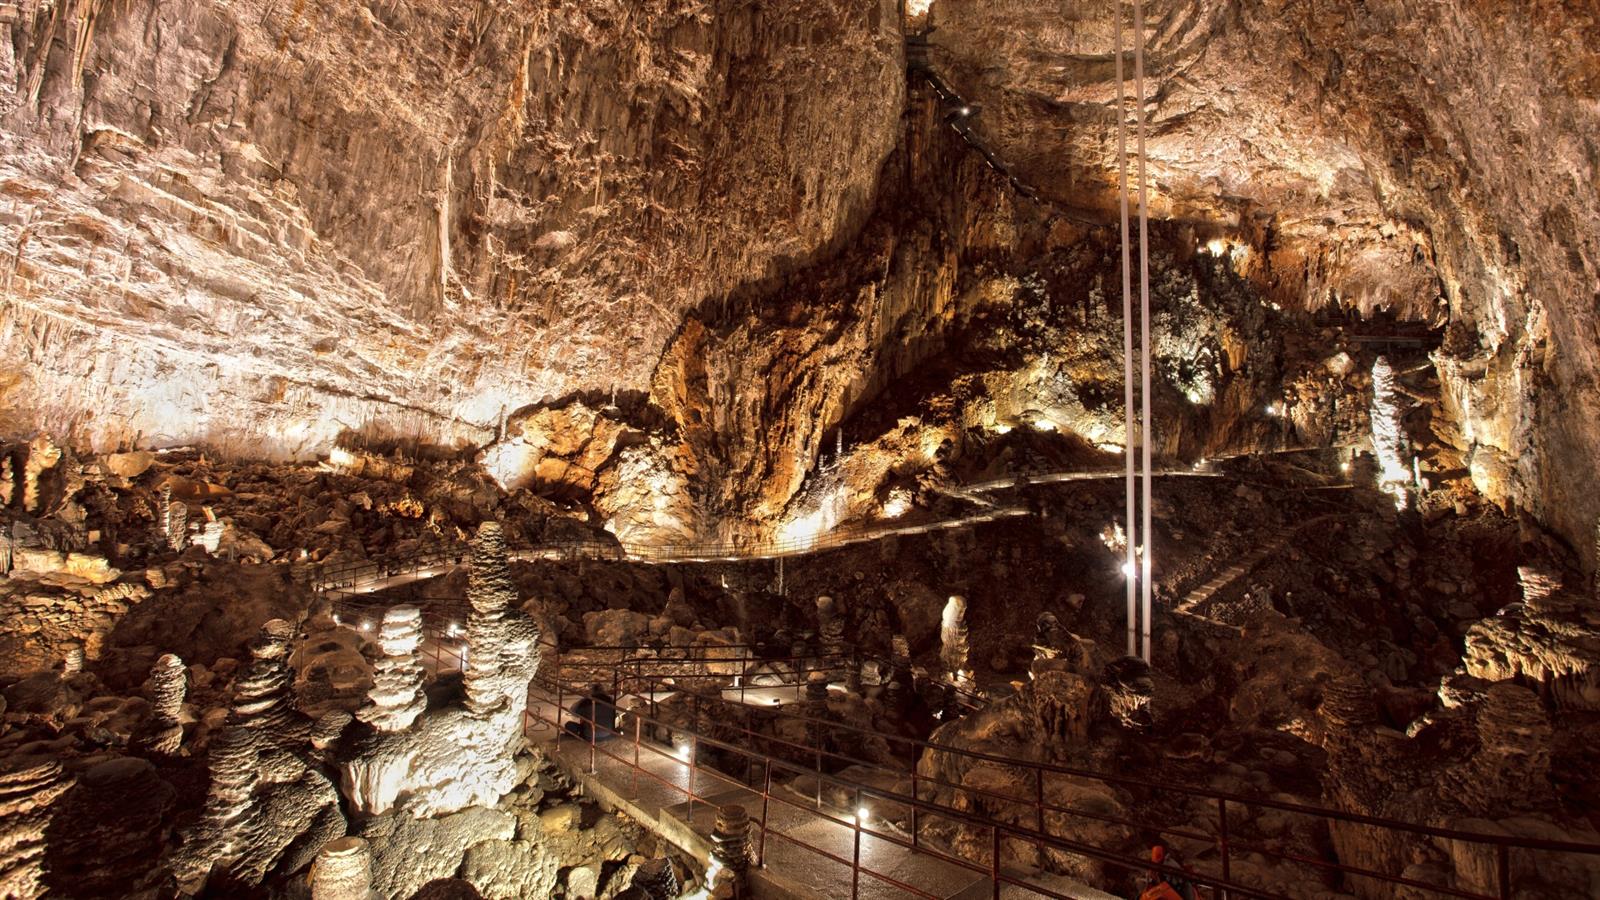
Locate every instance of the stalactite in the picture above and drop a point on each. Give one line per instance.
(396, 698)
(8, 481)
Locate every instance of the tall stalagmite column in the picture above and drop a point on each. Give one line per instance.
(396, 698)
(1389, 444)
(489, 592)
(168, 687)
(953, 642)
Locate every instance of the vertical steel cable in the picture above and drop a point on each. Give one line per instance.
(1130, 566)
(1144, 312)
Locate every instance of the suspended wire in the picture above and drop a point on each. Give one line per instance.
(1130, 565)
(1144, 311)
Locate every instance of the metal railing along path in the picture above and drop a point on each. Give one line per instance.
(1034, 777)
(387, 571)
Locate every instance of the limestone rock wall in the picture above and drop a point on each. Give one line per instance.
(1437, 158)
(259, 225)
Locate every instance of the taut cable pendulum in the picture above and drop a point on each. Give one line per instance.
(1130, 565)
(1145, 434)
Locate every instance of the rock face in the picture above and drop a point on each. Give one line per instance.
(1352, 153)
(332, 213)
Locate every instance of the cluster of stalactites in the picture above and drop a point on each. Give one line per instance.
(27, 790)
(1389, 444)
(397, 696)
(954, 645)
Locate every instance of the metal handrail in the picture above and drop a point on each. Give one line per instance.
(1000, 831)
(1039, 837)
(1222, 798)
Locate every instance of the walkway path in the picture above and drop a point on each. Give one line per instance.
(807, 850)
(1197, 597)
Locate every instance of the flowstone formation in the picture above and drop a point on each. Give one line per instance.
(458, 757)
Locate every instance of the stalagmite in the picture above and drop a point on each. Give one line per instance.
(953, 641)
(174, 519)
(27, 789)
(343, 871)
(72, 659)
(8, 481)
(830, 634)
(43, 455)
(262, 699)
(1389, 445)
(490, 592)
(396, 698)
(211, 536)
(458, 756)
(168, 686)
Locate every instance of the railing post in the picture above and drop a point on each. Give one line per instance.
(1503, 863)
(819, 777)
(916, 796)
(855, 862)
(689, 786)
(1038, 782)
(994, 858)
(766, 793)
(1222, 844)
(634, 775)
(594, 730)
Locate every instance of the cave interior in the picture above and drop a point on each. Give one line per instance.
(840, 448)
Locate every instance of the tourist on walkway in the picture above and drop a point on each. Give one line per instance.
(596, 707)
